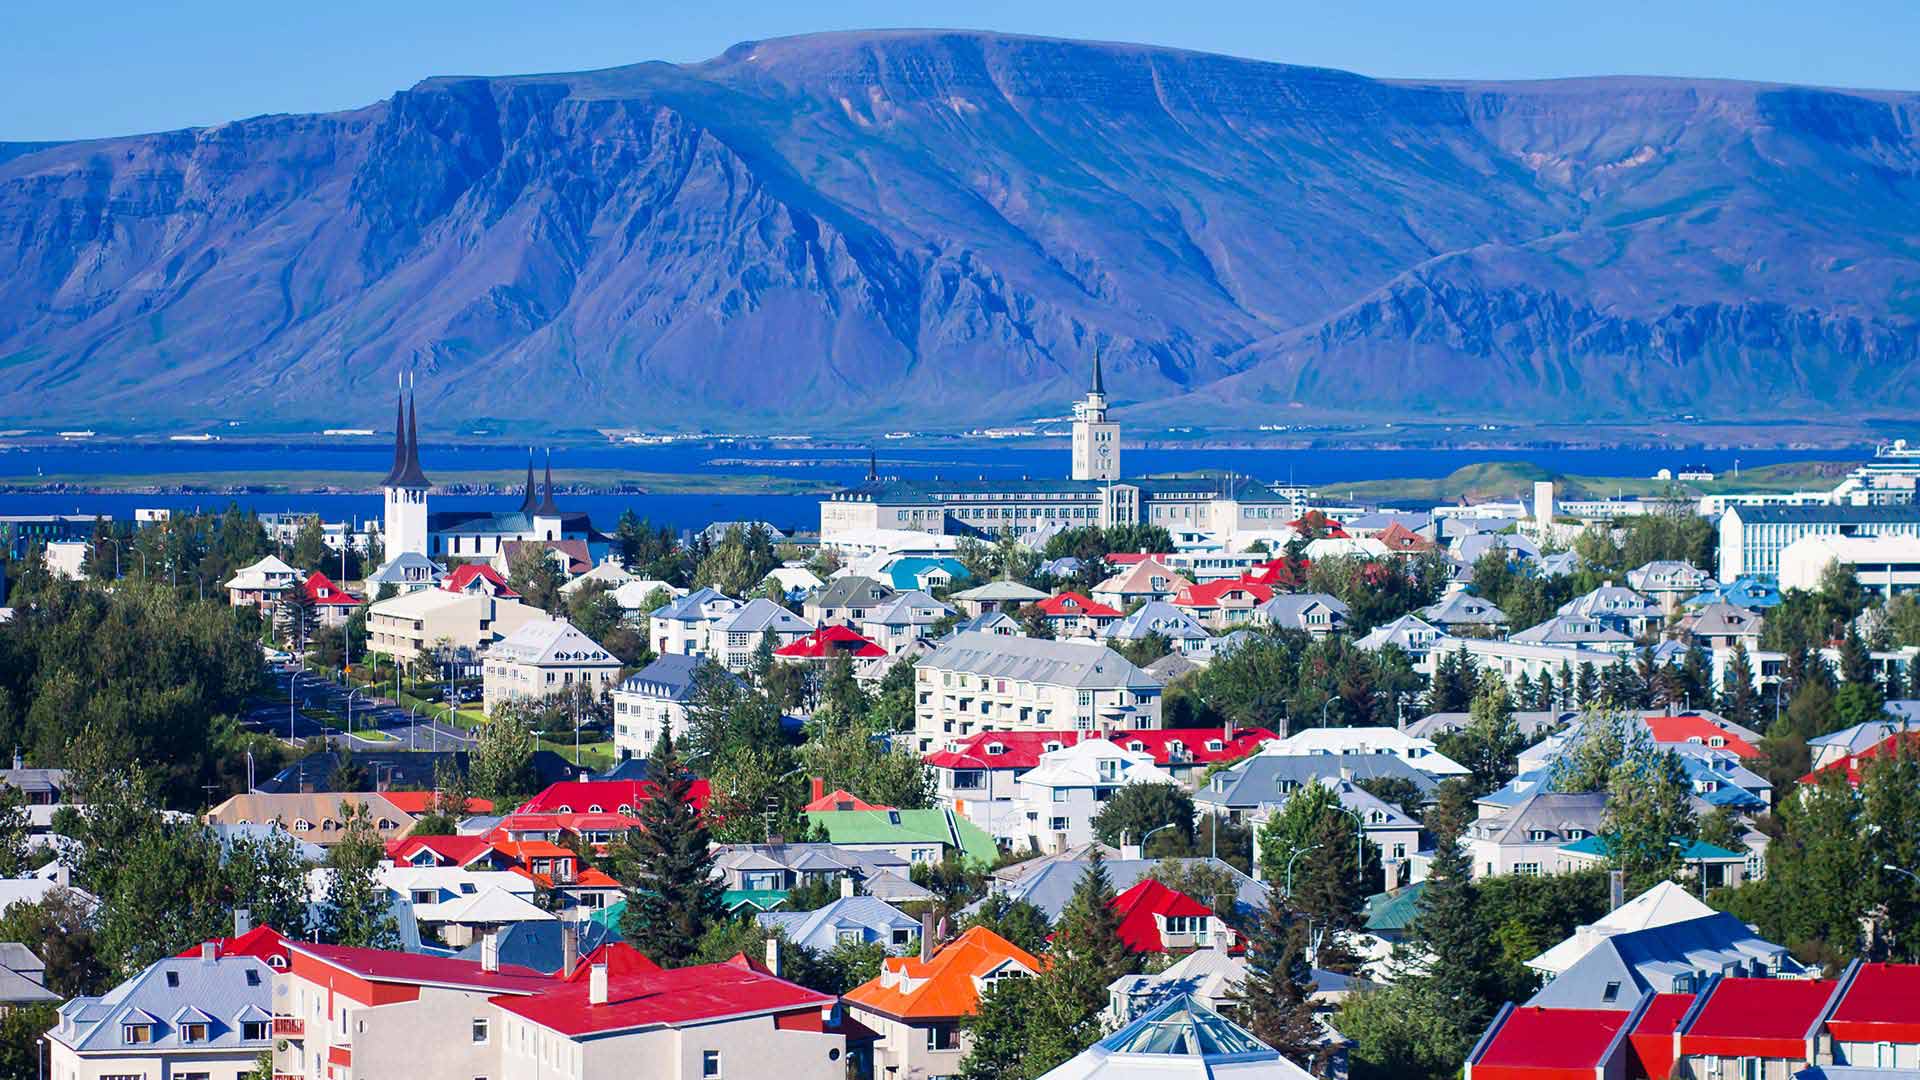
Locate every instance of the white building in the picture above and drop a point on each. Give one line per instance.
(199, 1016)
(732, 637)
(1060, 797)
(415, 624)
(543, 658)
(1752, 537)
(986, 682)
(681, 627)
(1096, 441)
(1884, 564)
(651, 702)
(1415, 751)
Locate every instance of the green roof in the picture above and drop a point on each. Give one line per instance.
(1693, 851)
(609, 916)
(908, 827)
(1393, 910)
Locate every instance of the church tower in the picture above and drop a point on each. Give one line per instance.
(1096, 440)
(405, 488)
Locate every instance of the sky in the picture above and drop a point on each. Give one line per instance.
(117, 67)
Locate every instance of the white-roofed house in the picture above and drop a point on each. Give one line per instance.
(1420, 753)
(1060, 797)
(732, 638)
(544, 658)
(1183, 632)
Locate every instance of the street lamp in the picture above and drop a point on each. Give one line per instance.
(350, 696)
(1890, 868)
(986, 778)
(1288, 894)
(1145, 835)
(413, 711)
(293, 689)
(1359, 836)
(1323, 711)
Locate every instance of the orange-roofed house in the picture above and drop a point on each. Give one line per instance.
(837, 799)
(422, 802)
(917, 1003)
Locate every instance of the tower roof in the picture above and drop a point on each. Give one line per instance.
(399, 442)
(406, 473)
(547, 508)
(1099, 384)
(530, 501)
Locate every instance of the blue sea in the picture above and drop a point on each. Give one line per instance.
(811, 464)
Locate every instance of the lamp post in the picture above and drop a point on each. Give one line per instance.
(986, 778)
(413, 711)
(293, 690)
(1359, 836)
(350, 696)
(1323, 710)
(1288, 894)
(1892, 869)
(1145, 835)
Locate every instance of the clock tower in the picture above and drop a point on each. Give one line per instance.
(1096, 441)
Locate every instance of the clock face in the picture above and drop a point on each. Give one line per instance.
(1105, 450)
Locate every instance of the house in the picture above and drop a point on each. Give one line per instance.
(845, 601)
(996, 596)
(1527, 839)
(1385, 826)
(1173, 666)
(546, 658)
(1409, 633)
(1401, 540)
(1623, 969)
(1853, 766)
(572, 556)
(1319, 614)
(406, 571)
(22, 978)
(681, 625)
(415, 626)
(1221, 605)
(1072, 614)
(1575, 632)
(1760, 1028)
(795, 582)
(332, 605)
(480, 579)
(982, 682)
(1183, 632)
(1693, 729)
(1718, 626)
(460, 903)
(603, 797)
(1048, 884)
(1420, 753)
(765, 873)
(607, 572)
(261, 584)
(1528, 1043)
(733, 636)
(316, 818)
(1060, 796)
(1179, 1038)
(1158, 919)
(1462, 610)
(1265, 781)
(206, 1014)
(1754, 594)
(653, 702)
(850, 920)
(1148, 579)
(917, 1003)
(899, 623)
(1668, 582)
(925, 572)
(998, 623)
(1616, 605)
(826, 644)
(918, 836)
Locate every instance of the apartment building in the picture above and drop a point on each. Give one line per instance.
(543, 658)
(205, 1016)
(413, 626)
(986, 682)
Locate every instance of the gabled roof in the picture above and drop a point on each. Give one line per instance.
(1661, 905)
(1692, 728)
(1853, 766)
(759, 615)
(1756, 1017)
(1073, 604)
(693, 607)
(1218, 593)
(1155, 617)
(1622, 969)
(1401, 632)
(551, 642)
(842, 799)
(1267, 779)
(820, 928)
(910, 608)
(669, 676)
(416, 969)
(1001, 592)
(1463, 609)
(1051, 885)
(1290, 609)
(574, 796)
(944, 986)
(1081, 664)
(851, 590)
(478, 577)
(324, 593)
(446, 850)
(1142, 905)
(223, 989)
(1570, 630)
(877, 827)
(905, 572)
(261, 942)
(828, 642)
(1553, 1042)
(1878, 1003)
(1138, 580)
(661, 998)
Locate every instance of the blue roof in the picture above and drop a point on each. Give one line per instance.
(1183, 1027)
(1747, 592)
(904, 573)
(1695, 850)
(1651, 961)
(821, 929)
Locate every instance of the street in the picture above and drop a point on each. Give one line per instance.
(273, 715)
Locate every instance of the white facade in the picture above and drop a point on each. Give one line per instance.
(1887, 565)
(1061, 796)
(1096, 440)
(1415, 751)
(986, 682)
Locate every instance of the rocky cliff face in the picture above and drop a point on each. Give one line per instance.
(908, 229)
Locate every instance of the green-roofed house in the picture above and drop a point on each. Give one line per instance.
(1716, 866)
(918, 836)
(1389, 915)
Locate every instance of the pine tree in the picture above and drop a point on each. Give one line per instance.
(1088, 933)
(1274, 998)
(667, 867)
(357, 910)
(1459, 956)
(1087, 955)
(1586, 686)
(296, 618)
(1739, 701)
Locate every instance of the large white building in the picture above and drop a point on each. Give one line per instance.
(1752, 537)
(987, 682)
(206, 1015)
(1060, 797)
(1883, 564)
(544, 658)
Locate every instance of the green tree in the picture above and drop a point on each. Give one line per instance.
(1000, 1031)
(309, 545)
(500, 767)
(1649, 809)
(531, 572)
(21, 1029)
(847, 756)
(1739, 700)
(1491, 742)
(1274, 1000)
(666, 866)
(1015, 920)
(267, 876)
(1087, 955)
(59, 928)
(1458, 955)
(296, 619)
(1136, 809)
(357, 909)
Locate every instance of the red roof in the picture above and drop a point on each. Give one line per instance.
(1766, 1018)
(419, 802)
(1022, 749)
(620, 958)
(601, 796)
(1540, 1043)
(1314, 519)
(262, 942)
(1881, 1004)
(1398, 537)
(1067, 605)
(1854, 765)
(1652, 1037)
(575, 822)
(478, 577)
(1139, 907)
(681, 996)
(830, 641)
(324, 593)
(1215, 593)
(1692, 728)
(1276, 574)
(1129, 558)
(579, 560)
(447, 850)
(841, 799)
(380, 965)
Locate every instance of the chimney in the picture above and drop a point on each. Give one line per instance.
(490, 949)
(1346, 773)
(819, 788)
(846, 886)
(18, 761)
(209, 951)
(1616, 889)
(926, 936)
(773, 954)
(1132, 852)
(597, 985)
(569, 948)
(242, 921)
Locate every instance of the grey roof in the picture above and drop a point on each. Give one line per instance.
(991, 622)
(1050, 887)
(1669, 574)
(1398, 633)
(670, 676)
(820, 929)
(1643, 962)
(1860, 736)
(1469, 549)
(551, 641)
(759, 615)
(1610, 601)
(1054, 663)
(1720, 619)
(222, 993)
(35, 781)
(816, 858)
(1001, 592)
(911, 608)
(1463, 609)
(691, 607)
(1411, 520)
(1290, 609)
(1559, 564)
(1533, 723)
(1269, 779)
(1554, 812)
(1824, 514)
(1170, 667)
(1570, 630)
(852, 591)
(394, 570)
(21, 976)
(540, 945)
(1155, 617)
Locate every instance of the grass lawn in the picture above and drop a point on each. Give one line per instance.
(593, 755)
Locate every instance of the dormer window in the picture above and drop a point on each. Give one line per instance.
(136, 1034)
(193, 1033)
(1538, 836)
(1576, 834)
(1052, 746)
(1216, 745)
(1136, 745)
(1717, 740)
(1001, 748)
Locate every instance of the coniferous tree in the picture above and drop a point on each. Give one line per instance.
(1274, 999)
(1459, 957)
(1739, 701)
(357, 911)
(1586, 685)
(667, 867)
(1087, 955)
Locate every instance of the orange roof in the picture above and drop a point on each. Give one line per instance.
(941, 988)
(419, 802)
(523, 850)
(841, 799)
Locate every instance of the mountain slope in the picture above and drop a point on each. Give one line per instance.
(932, 229)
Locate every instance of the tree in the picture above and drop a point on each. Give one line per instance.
(1137, 808)
(1739, 700)
(1458, 956)
(1890, 808)
(1000, 1031)
(14, 830)
(21, 1029)
(1292, 829)
(1275, 998)
(666, 866)
(1491, 742)
(357, 910)
(500, 766)
(1016, 920)
(309, 544)
(60, 928)
(1649, 809)
(1087, 955)
(449, 805)
(268, 877)
(847, 757)
(296, 618)
(531, 573)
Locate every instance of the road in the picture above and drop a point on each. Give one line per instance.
(275, 716)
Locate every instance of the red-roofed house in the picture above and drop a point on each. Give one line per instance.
(601, 797)
(1752, 1027)
(1403, 541)
(1651, 1037)
(1186, 753)
(1221, 604)
(260, 942)
(479, 578)
(439, 850)
(1697, 730)
(1532, 1043)
(597, 829)
(828, 642)
(1854, 766)
(420, 802)
(1071, 614)
(1278, 574)
(332, 605)
(1157, 919)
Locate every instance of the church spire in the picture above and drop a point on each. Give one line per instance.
(530, 501)
(547, 507)
(399, 441)
(408, 473)
(1099, 384)
(873, 464)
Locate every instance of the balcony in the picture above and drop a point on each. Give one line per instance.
(289, 1027)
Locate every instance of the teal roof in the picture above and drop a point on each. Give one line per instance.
(1393, 910)
(1694, 851)
(758, 899)
(905, 572)
(1183, 1027)
(876, 827)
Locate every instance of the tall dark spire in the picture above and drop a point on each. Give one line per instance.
(410, 475)
(399, 441)
(1099, 385)
(873, 464)
(530, 501)
(547, 507)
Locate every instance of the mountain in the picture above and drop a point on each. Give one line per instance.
(932, 229)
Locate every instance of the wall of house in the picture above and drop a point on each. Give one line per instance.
(902, 1054)
(64, 1064)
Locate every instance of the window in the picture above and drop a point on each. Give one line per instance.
(173, 979)
(1538, 836)
(1527, 869)
(943, 1037)
(709, 1063)
(253, 978)
(253, 1030)
(1058, 824)
(479, 1029)
(1611, 993)
(136, 1034)
(901, 937)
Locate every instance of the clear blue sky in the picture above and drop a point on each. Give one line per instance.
(74, 70)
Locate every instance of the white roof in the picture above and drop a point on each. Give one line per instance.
(632, 595)
(609, 571)
(1415, 751)
(793, 578)
(420, 602)
(552, 642)
(268, 573)
(1079, 766)
(1663, 905)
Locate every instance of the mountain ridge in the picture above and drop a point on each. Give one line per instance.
(935, 229)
